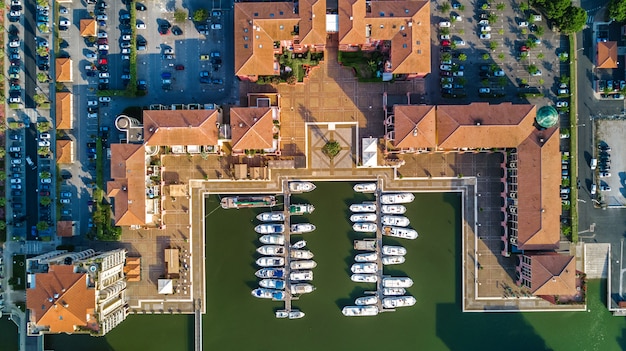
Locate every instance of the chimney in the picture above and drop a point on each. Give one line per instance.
(65, 304)
(56, 295)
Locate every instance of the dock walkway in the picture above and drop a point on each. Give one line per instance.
(379, 248)
(287, 204)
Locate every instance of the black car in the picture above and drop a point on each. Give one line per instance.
(177, 31)
(92, 109)
(16, 169)
(164, 29)
(524, 85)
(43, 67)
(103, 86)
(66, 175)
(16, 193)
(91, 144)
(140, 7)
(15, 154)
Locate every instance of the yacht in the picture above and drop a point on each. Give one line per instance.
(366, 257)
(364, 227)
(248, 201)
(299, 244)
(397, 282)
(398, 301)
(270, 261)
(402, 233)
(368, 267)
(364, 278)
(282, 314)
(399, 221)
(363, 217)
(275, 216)
(301, 187)
(301, 254)
(272, 284)
(306, 264)
(393, 209)
(363, 207)
(272, 250)
(264, 293)
(394, 291)
(269, 228)
(357, 311)
(300, 209)
(387, 260)
(295, 314)
(273, 239)
(394, 250)
(301, 276)
(301, 288)
(400, 198)
(301, 228)
(270, 273)
(366, 300)
(278, 295)
(365, 187)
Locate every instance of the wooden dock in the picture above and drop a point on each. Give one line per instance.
(379, 248)
(287, 203)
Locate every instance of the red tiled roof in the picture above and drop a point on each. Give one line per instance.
(252, 128)
(607, 54)
(553, 274)
(180, 127)
(415, 127)
(128, 167)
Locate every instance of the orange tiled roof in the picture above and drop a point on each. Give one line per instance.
(63, 69)
(88, 27)
(64, 110)
(65, 228)
(74, 306)
(180, 127)
(553, 274)
(128, 164)
(408, 120)
(65, 151)
(251, 128)
(607, 54)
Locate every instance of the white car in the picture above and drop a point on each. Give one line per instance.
(445, 67)
(446, 62)
(92, 103)
(126, 37)
(444, 37)
(91, 55)
(16, 3)
(216, 26)
(126, 51)
(102, 35)
(125, 57)
(446, 86)
(522, 24)
(444, 24)
(594, 188)
(102, 17)
(536, 74)
(104, 75)
(103, 47)
(562, 104)
(485, 36)
(605, 174)
(16, 181)
(563, 91)
(15, 100)
(141, 26)
(484, 90)
(498, 73)
(44, 136)
(484, 22)
(457, 74)
(65, 23)
(14, 44)
(459, 42)
(104, 99)
(44, 143)
(456, 17)
(92, 115)
(46, 180)
(64, 11)
(485, 29)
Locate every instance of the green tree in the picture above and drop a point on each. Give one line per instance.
(42, 2)
(530, 43)
(523, 6)
(541, 81)
(540, 31)
(617, 10)
(462, 81)
(492, 18)
(180, 16)
(45, 174)
(493, 45)
(42, 77)
(446, 56)
(564, 79)
(42, 51)
(40, 99)
(3, 225)
(540, 56)
(501, 31)
(462, 57)
(502, 81)
(3, 176)
(485, 57)
(485, 6)
(45, 200)
(41, 226)
(462, 8)
(524, 81)
(532, 69)
(43, 127)
(461, 31)
(574, 20)
(444, 31)
(445, 7)
(501, 56)
(524, 31)
(485, 82)
(3, 152)
(501, 6)
(200, 15)
(43, 151)
(331, 149)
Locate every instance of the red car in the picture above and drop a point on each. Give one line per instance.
(523, 48)
(103, 41)
(180, 67)
(445, 42)
(103, 61)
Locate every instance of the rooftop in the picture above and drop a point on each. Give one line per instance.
(88, 27)
(180, 127)
(65, 151)
(553, 274)
(64, 110)
(252, 128)
(63, 70)
(607, 54)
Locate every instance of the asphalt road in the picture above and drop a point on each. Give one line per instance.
(29, 56)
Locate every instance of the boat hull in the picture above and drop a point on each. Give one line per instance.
(278, 284)
(270, 273)
(300, 209)
(272, 239)
(394, 291)
(366, 257)
(271, 250)
(275, 216)
(389, 260)
(363, 217)
(364, 227)
(295, 314)
(297, 276)
(359, 311)
(301, 254)
(398, 301)
(302, 228)
(301, 187)
(301, 288)
(270, 228)
(306, 264)
(364, 268)
(247, 201)
(393, 209)
(400, 198)
(402, 233)
(364, 207)
(394, 250)
(397, 282)
(299, 244)
(364, 187)
(366, 300)
(364, 278)
(270, 261)
(399, 221)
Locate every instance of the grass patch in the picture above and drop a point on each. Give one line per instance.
(573, 139)
(298, 63)
(104, 228)
(18, 280)
(530, 95)
(368, 66)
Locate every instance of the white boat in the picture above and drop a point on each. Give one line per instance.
(394, 250)
(300, 209)
(398, 301)
(302, 228)
(363, 207)
(364, 227)
(295, 314)
(301, 288)
(366, 257)
(369, 267)
(270, 273)
(397, 282)
(399, 221)
(387, 260)
(301, 254)
(394, 291)
(399, 198)
(364, 278)
(393, 209)
(357, 311)
(282, 314)
(403, 233)
(306, 264)
(270, 261)
(272, 250)
(301, 187)
(301, 276)
(272, 284)
(264, 293)
(366, 300)
(269, 228)
(363, 217)
(365, 187)
(276, 216)
(273, 239)
(299, 244)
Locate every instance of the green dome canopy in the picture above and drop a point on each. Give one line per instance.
(547, 116)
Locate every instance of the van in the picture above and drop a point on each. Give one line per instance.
(593, 164)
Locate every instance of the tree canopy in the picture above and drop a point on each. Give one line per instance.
(617, 10)
(574, 20)
(570, 19)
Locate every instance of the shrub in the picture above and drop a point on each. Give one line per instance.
(331, 149)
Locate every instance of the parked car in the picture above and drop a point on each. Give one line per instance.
(486, 36)
(444, 24)
(65, 23)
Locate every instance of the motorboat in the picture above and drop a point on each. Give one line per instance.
(299, 244)
(273, 239)
(363, 207)
(301, 187)
(272, 250)
(301, 228)
(270, 261)
(366, 257)
(300, 209)
(295, 314)
(301, 276)
(301, 288)
(399, 221)
(264, 293)
(301, 254)
(364, 227)
(394, 291)
(394, 250)
(393, 209)
(272, 284)
(399, 198)
(398, 301)
(366, 300)
(358, 311)
(403, 233)
(278, 295)
(368, 267)
(306, 264)
(363, 217)
(275, 216)
(388, 260)
(269, 228)
(397, 282)
(282, 314)
(364, 187)
(270, 273)
(364, 278)
(245, 201)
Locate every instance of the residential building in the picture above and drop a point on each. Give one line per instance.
(253, 128)
(548, 275)
(64, 70)
(64, 110)
(65, 151)
(88, 27)
(606, 55)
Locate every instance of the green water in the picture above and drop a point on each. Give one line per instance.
(237, 321)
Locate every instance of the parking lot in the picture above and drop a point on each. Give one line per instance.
(610, 172)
